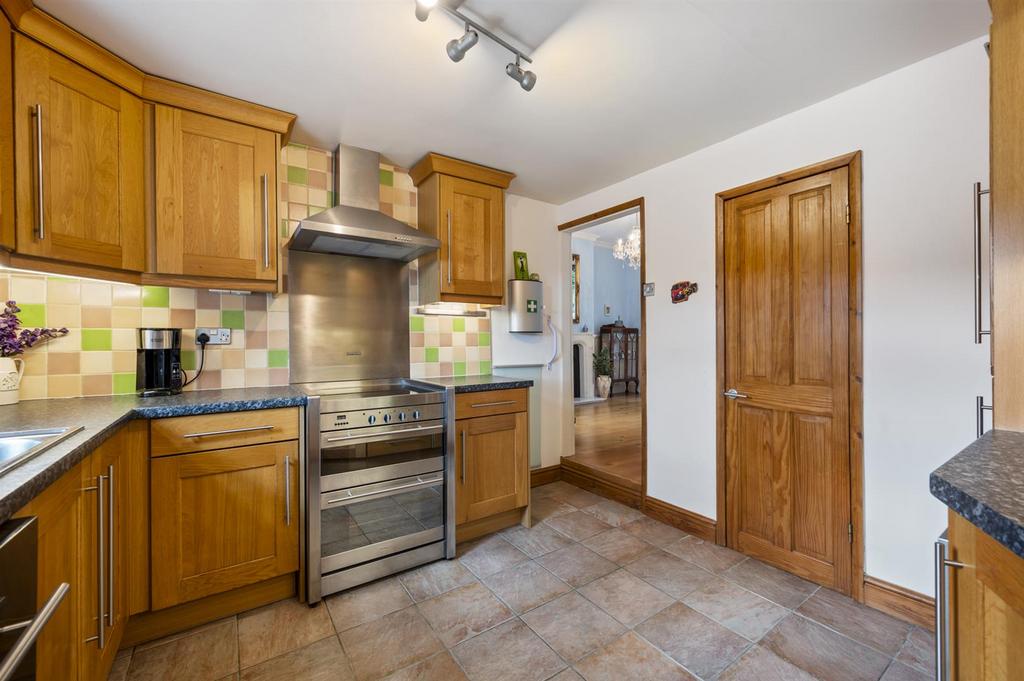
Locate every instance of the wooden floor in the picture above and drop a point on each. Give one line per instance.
(608, 440)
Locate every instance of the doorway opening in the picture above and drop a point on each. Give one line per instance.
(606, 315)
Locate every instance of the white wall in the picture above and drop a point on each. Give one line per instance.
(924, 134)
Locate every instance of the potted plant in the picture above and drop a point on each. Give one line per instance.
(603, 371)
(15, 340)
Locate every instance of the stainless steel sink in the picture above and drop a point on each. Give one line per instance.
(17, 447)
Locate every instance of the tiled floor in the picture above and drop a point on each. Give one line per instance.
(593, 591)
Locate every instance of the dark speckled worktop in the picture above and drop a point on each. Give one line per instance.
(985, 484)
(100, 418)
(475, 384)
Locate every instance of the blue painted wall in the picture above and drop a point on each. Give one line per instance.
(605, 281)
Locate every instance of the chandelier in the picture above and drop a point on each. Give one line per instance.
(629, 250)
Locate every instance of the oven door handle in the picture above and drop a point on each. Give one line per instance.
(422, 430)
(420, 482)
(32, 629)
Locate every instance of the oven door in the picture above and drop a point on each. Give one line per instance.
(370, 522)
(370, 455)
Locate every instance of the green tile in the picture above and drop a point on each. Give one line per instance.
(124, 383)
(431, 355)
(458, 324)
(232, 319)
(188, 360)
(32, 316)
(298, 175)
(284, 228)
(156, 296)
(459, 368)
(416, 323)
(96, 339)
(484, 338)
(387, 178)
(485, 366)
(277, 359)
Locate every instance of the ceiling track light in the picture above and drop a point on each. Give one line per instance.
(458, 47)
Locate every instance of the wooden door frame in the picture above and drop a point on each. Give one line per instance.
(852, 161)
(638, 205)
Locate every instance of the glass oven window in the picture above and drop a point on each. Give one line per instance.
(361, 523)
(360, 456)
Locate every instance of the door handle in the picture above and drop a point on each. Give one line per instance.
(463, 435)
(287, 491)
(37, 113)
(101, 632)
(265, 189)
(978, 331)
(229, 431)
(110, 544)
(449, 245)
(979, 413)
(734, 394)
(32, 629)
(942, 619)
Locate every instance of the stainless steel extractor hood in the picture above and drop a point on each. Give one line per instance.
(355, 226)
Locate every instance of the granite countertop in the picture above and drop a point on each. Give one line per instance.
(475, 384)
(100, 417)
(985, 484)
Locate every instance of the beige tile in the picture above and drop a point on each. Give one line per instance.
(33, 387)
(435, 579)
(440, 667)
(654, 532)
(780, 587)
(97, 293)
(577, 525)
(861, 623)
(280, 628)
(537, 540)
(822, 652)
(124, 339)
(758, 664)
(694, 641)
(323, 660)
(63, 362)
(124, 361)
(65, 291)
(576, 565)
(97, 362)
(63, 386)
(28, 289)
(96, 317)
(573, 626)
(59, 315)
(746, 613)
(510, 652)
(125, 295)
(618, 546)
(463, 612)
(126, 317)
(367, 603)
(206, 654)
(626, 597)
(97, 385)
(490, 554)
(525, 586)
(232, 378)
(183, 319)
(156, 317)
(630, 657)
(182, 298)
(674, 576)
(706, 554)
(614, 513)
(395, 641)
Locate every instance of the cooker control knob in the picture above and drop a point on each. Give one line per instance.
(416, 414)
(401, 416)
(387, 418)
(372, 419)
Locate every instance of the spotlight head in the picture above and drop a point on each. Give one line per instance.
(526, 79)
(423, 8)
(458, 48)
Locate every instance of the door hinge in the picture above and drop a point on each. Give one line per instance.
(849, 532)
(847, 213)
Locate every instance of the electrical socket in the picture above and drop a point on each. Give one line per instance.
(217, 336)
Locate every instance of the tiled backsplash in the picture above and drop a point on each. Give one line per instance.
(98, 356)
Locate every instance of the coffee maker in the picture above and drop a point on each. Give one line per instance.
(158, 362)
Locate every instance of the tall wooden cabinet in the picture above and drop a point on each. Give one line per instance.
(79, 154)
(623, 345)
(463, 205)
(6, 136)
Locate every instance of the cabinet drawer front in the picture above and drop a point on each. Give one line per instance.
(216, 431)
(471, 405)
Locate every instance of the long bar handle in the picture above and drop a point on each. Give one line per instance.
(449, 245)
(419, 483)
(492, 404)
(229, 431)
(942, 622)
(423, 430)
(32, 630)
(287, 491)
(463, 456)
(111, 539)
(980, 408)
(101, 630)
(978, 331)
(265, 190)
(37, 114)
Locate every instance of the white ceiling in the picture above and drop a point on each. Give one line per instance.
(622, 86)
(607, 232)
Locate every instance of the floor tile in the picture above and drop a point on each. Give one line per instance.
(746, 613)
(510, 652)
(613, 513)
(119, 670)
(576, 565)
(630, 657)
(181, 634)
(577, 525)
(537, 540)
(280, 628)
(672, 575)
(435, 579)
(207, 654)
(568, 674)
(543, 509)
(378, 648)
(919, 650)
(898, 671)
(653, 531)
(822, 652)
(463, 612)
(859, 622)
(489, 555)
(525, 586)
(702, 646)
(706, 554)
(440, 667)
(367, 603)
(626, 597)
(758, 664)
(618, 546)
(580, 498)
(320, 661)
(781, 587)
(573, 626)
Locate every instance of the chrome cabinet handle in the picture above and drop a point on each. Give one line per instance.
(492, 404)
(32, 630)
(733, 394)
(942, 620)
(979, 413)
(229, 431)
(37, 113)
(420, 482)
(101, 630)
(265, 189)
(449, 245)
(978, 331)
(463, 456)
(287, 491)
(111, 538)
(423, 430)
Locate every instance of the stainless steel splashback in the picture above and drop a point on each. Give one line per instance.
(348, 317)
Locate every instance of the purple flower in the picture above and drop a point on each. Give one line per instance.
(15, 340)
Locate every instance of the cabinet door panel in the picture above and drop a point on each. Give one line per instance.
(476, 249)
(6, 137)
(496, 467)
(219, 520)
(211, 176)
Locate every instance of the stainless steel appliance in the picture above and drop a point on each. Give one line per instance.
(158, 362)
(525, 306)
(20, 623)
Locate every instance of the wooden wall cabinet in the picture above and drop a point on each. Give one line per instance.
(6, 136)
(84, 137)
(463, 205)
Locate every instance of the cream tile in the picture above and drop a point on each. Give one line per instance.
(124, 339)
(126, 317)
(183, 298)
(59, 315)
(125, 295)
(97, 362)
(97, 293)
(156, 317)
(28, 289)
(208, 318)
(255, 378)
(33, 387)
(256, 359)
(279, 628)
(232, 378)
(65, 291)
